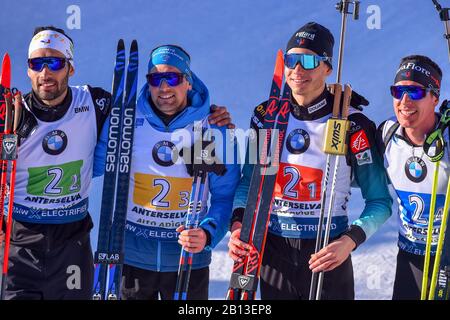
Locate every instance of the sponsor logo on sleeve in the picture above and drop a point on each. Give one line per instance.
(364, 157)
(359, 142)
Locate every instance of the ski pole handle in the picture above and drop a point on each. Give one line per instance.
(8, 115)
(444, 15)
(343, 7)
(17, 110)
(436, 137)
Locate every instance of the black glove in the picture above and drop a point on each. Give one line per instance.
(444, 106)
(206, 161)
(27, 124)
(357, 101)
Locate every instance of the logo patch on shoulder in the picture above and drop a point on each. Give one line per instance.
(364, 157)
(359, 142)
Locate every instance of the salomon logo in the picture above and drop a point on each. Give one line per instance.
(113, 137)
(101, 103)
(126, 144)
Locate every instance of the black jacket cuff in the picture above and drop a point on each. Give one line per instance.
(357, 234)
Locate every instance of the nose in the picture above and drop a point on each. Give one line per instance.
(163, 84)
(405, 98)
(45, 70)
(298, 68)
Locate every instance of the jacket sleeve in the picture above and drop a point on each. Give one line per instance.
(369, 174)
(100, 151)
(240, 198)
(222, 189)
(102, 103)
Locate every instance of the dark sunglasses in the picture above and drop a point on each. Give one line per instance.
(414, 92)
(307, 61)
(53, 63)
(173, 79)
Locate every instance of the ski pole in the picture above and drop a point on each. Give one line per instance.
(337, 90)
(343, 7)
(332, 149)
(192, 220)
(9, 153)
(345, 125)
(445, 17)
(5, 84)
(204, 161)
(435, 139)
(437, 259)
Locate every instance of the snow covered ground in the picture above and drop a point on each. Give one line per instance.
(373, 263)
(233, 45)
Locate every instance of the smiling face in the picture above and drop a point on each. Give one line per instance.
(167, 99)
(306, 85)
(415, 114)
(50, 86)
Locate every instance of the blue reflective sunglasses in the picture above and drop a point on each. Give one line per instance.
(173, 79)
(53, 63)
(307, 61)
(414, 92)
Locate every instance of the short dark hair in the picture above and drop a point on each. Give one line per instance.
(423, 59)
(42, 28)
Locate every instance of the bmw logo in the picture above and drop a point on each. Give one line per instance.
(298, 141)
(55, 142)
(415, 169)
(165, 153)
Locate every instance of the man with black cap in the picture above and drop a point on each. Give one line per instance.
(400, 139)
(289, 252)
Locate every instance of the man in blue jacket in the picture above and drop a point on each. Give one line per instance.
(169, 105)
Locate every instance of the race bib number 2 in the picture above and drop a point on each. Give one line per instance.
(156, 192)
(298, 183)
(55, 180)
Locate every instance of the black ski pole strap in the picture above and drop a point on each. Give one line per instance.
(436, 138)
(443, 12)
(357, 100)
(389, 134)
(27, 124)
(203, 159)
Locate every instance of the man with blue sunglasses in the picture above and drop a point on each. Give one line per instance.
(400, 139)
(289, 257)
(172, 103)
(50, 254)
(62, 147)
